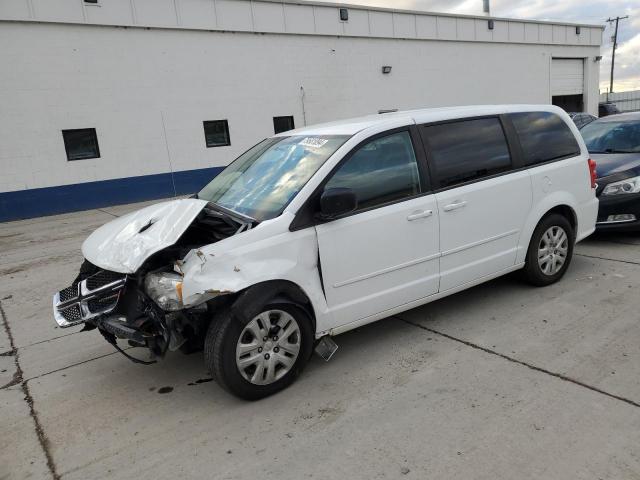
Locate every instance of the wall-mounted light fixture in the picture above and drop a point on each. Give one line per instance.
(386, 69)
(597, 59)
(490, 24)
(577, 30)
(344, 14)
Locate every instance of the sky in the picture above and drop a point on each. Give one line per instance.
(627, 67)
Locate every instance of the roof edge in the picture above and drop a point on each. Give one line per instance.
(320, 3)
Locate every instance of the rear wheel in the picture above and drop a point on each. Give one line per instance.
(550, 251)
(256, 357)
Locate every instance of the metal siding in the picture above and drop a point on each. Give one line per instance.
(358, 23)
(404, 25)
(426, 26)
(58, 10)
(482, 31)
(201, 13)
(113, 11)
(531, 32)
(327, 21)
(381, 24)
(299, 19)
(156, 12)
(14, 9)
(466, 29)
(234, 15)
(500, 31)
(447, 28)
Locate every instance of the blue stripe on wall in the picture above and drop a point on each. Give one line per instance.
(39, 202)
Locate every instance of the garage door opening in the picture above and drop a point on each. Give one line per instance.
(569, 103)
(567, 83)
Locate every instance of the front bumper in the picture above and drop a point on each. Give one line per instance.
(618, 205)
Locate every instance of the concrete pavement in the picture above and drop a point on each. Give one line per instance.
(500, 381)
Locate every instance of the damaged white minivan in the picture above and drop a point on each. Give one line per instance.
(320, 230)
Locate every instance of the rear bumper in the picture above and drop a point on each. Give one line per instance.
(619, 205)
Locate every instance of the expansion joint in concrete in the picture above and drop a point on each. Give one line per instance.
(18, 379)
(523, 363)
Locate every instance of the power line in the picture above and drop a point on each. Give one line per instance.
(615, 44)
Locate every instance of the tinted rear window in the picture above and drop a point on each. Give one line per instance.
(467, 150)
(544, 136)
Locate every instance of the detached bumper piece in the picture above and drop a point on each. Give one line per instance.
(92, 297)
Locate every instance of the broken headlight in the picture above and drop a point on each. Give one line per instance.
(165, 289)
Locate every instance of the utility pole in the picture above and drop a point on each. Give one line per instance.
(486, 8)
(615, 44)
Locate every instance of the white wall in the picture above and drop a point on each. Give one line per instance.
(124, 81)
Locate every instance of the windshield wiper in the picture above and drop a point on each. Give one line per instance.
(616, 150)
(233, 214)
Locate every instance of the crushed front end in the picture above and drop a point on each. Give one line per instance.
(118, 306)
(145, 307)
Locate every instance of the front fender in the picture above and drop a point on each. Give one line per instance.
(230, 267)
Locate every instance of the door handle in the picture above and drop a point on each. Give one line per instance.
(454, 206)
(417, 215)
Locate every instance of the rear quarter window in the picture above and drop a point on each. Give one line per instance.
(544, 137)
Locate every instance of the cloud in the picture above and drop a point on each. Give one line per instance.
(627, 71)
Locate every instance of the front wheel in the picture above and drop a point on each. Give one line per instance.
(550, 251)
(256, 357)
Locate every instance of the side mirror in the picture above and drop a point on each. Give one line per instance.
(337, 201)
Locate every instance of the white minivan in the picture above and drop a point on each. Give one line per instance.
(320, 230)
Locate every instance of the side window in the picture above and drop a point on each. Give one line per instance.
(381, 171)
(544, 137)
(467, 150)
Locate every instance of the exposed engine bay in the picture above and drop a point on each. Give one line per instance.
(145, 307)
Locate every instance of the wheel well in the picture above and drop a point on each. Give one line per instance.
(280, 290)
(567, 212)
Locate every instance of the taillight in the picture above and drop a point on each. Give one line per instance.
(592, 173)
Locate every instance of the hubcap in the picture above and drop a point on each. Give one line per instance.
(552, 250)
(263, 358)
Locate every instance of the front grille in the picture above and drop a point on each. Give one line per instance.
(72, 314)
(96, 295)
(99, 305)
(102, 278)
(69, 293)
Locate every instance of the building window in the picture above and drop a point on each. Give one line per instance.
(216, 133)
(81, 144)
(283, 124)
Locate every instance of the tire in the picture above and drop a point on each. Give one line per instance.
(223, 342)
(539, 272)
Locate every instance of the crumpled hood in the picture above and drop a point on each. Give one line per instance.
(125, 243)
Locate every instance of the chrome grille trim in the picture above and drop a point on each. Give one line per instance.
(78, 303)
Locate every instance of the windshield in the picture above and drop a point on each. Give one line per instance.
(612, 137)
(262, 181)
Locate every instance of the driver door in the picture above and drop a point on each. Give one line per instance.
(385, 253)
